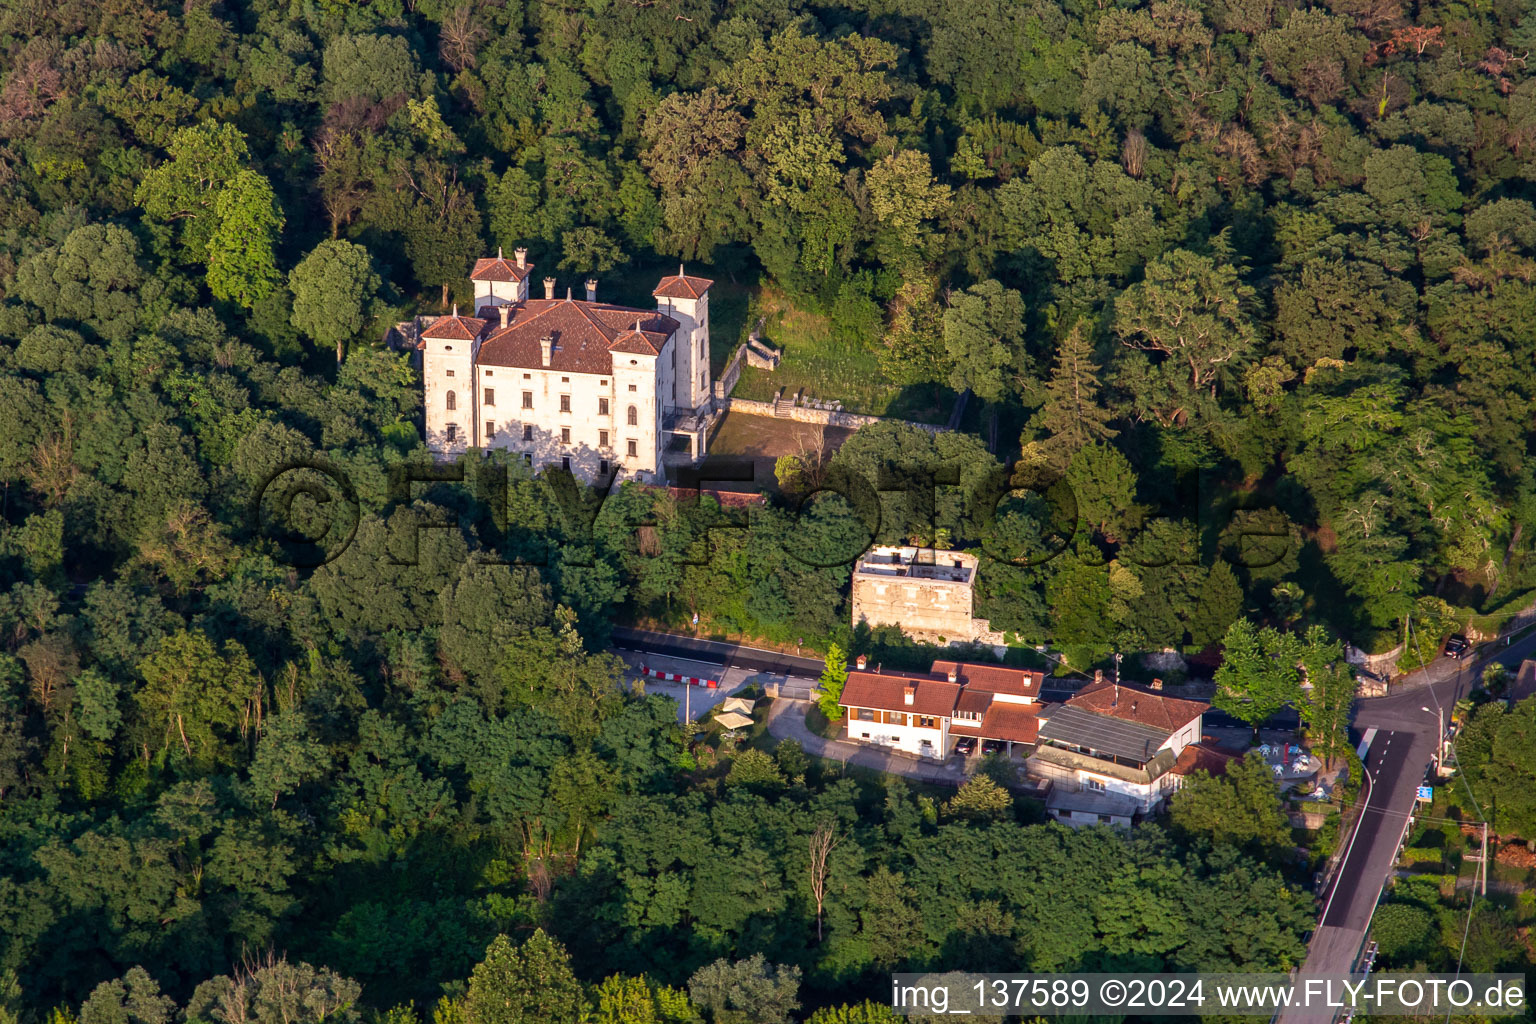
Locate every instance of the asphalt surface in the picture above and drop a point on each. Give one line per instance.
(1408, 725)
(714, 652)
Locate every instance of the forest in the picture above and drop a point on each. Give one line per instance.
(1241, 288)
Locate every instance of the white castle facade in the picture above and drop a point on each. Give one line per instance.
(599, 389)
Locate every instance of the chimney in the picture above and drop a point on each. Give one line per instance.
(546, 344)
(567, 293)
(954, 674)
(498, 252)
(504, 310)
(908, 694)
(591, 289)
(455, 310)
(522, 257)
(1157, 685)
(1098, 675)
(862, 662)
(549, 287)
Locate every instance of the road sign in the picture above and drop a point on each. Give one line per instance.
(1426, 793)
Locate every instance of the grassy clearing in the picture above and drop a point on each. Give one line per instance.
(831, 369)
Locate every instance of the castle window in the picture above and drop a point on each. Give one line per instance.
(565, 403)
(490, 396)
(450, 373)
(602, 467)
(447, 348)
(453, 401)
(527, 458)
(602, 407)
(527, 399)
(565, 463)
(490, 430)
(527, 432)
(602, 439)
(565, 380)
(603, 382)
(634, 414)
(565, 435)
(633, 388)
(634, 449)
(527, 376)
(453, 432)
(488, 373)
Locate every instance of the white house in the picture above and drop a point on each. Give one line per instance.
(1113, 753)
(596, 388)
(924, 714)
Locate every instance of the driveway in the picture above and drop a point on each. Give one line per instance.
(786, 721)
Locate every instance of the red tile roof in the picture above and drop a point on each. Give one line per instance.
(886, 691)
(681, 286)
(494, 268)
(584, 334)
(1199, 757)
(454, 328)
(973, 700)
(1018, 682)
(1137, 705)
(1019, 723)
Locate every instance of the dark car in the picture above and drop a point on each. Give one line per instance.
(965, 746)
(991, 746)
(1457, 646)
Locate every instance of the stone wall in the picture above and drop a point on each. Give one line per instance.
(824, 417)
(1383, 665)
(730, 374)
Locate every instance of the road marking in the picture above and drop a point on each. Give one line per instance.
(1365, 743)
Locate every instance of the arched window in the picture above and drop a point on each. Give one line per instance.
(634, 416)
(453, 401)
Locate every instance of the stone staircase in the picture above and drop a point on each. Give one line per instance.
(783, 406)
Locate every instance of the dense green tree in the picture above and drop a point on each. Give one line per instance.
(1259, 672)
(526, 983)
(94, 277)
(1241, 806)
(335, 291)
(185, 189)
(983, 329)
(195, 695)
(1072, 412)
(241, 265)
(747, 990)
(833, 678)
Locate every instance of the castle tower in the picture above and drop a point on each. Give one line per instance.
(686, 300)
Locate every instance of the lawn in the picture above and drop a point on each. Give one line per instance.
(830, 369)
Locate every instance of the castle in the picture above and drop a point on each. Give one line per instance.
(602, 390)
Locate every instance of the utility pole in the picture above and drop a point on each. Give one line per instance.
(1483, 864)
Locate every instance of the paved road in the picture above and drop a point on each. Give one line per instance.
(714, 652)
(1408, 724)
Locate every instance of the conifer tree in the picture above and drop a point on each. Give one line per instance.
(1072, 411)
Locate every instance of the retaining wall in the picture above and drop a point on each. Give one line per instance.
(824, 417)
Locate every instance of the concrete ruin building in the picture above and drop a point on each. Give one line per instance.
(928, 594)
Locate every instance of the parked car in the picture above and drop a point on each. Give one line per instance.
(991, 747)
(1457, 646)
(965, 746)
